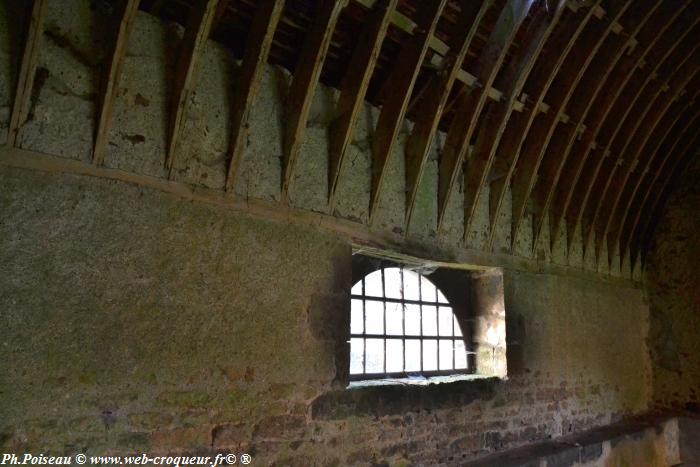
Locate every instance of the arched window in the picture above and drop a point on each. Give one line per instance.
(401, 324)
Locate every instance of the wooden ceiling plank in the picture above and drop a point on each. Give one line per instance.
(393, 110)
(255, 55)
(556, 157)
(127, 17)
(612, 127)
(478, 166)
(596, 115)
(534, 141)
(599, 207)
(548, 145)
(189, 54)
(646, 127)
(436, 96)
(471, 103)
(303, 87)
(536, 87)
(353, 88)
(622, 225)
(651, 211)
(27, 71)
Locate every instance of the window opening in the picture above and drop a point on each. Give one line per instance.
(402, 325)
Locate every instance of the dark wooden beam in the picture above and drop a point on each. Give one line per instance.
(556, 160)
(543, 127)
(303, 87)
(536, 87)
(671, 129)
(601, 202)
(549, 144)
(615, 120)
(662, 104)
(471, 103)
(436, 94)
(683, 153)
(399, 90)
(27, 71)
(189, 54)
(654, 36)
(257, 50)
(127, 16)
(354, 88)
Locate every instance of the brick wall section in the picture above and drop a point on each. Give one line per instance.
(134, 321)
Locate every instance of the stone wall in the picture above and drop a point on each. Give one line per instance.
(65, 108)
(674, 295)
(133, 320)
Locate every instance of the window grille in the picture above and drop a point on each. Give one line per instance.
(402, 325)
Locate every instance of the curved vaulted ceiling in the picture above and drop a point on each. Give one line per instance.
(580, 112)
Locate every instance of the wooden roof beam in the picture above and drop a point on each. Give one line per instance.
(553, 153)
(27, 71)
(674, 42)
(433, 102)
(471, 104)
(660, 107)
(543, 128)
(400, 87)
(535, 89)
(557, 163)
(127, 16)
(190, 52)
(677, 73)
(303, 87)
(255, 55)
(354, 88)
(683, 150)
(478, 166)
(597, 113)
(677, 126)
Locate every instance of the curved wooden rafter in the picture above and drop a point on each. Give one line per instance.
(354, 88)
(622, 228)
(27, 71)
(599, 111)
(495, 119)
(546, 69)
(601, 161)
(671, 109)
(259, 40)
(435, 97)
(553, 150)
(471, 103)
(645, 120)
(127, 16)
(543, 128)
(303, 87)
(592, 104)
(679, 158)
(399, 87)
(190, 52)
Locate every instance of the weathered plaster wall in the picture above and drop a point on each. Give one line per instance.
(674, 294)
(135, 321)
(65, 105)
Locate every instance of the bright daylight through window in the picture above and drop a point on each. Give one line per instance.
(402, 325)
